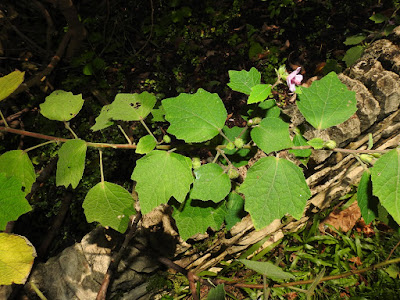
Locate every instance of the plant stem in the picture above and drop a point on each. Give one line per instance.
(125, 135)
(70, 129)
(40, 145)
(101, 165)
(148, 130)
(4, 119)
(224, 136)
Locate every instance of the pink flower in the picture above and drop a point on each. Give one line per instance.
(294, 79)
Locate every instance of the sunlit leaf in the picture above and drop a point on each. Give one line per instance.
(273, 188)
(9, 83)
(211, 183)
(103, 120)
(16, 258)
(61, 106)
(272, 135)
(12, 200)
(110, 205)
(259, 93)
(161, 175)
(146, 144)
(17, 163)
(71, 163)
(243, 81)
(195, 117)
(385, 176)
(327, 102)
(131, 107)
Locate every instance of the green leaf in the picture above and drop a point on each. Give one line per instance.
(267, 104)
(273, 112)
(272, 135)
(354, 39)
(110, 205)
(161, 175)
(197, 216)
(268, 269)
(158, 114)
(299, 140)
(16, 259)
(367, 202)
(17, 163)
(211, 183)
(195, 117)
(12, 200)
(243, 81)
(327, 102)
(385, 176)
(217, 293)
(61, 106)
(9, 83)
(146, 144)
(352, 55)
(259, 93)
(235, 210)
(273, 188)
(132, 107)
(316, 143)
(378, 18)
(71, 163)
(103, 120)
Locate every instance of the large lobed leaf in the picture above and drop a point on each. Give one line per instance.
(243, 81)
(61, 106)
(327, 102)
(16, 258)
(161, 175)
(273, 188)
(71, 163)
(131, 107)
(385, 176)
(195, 117)
(12, 200)
(110, 205)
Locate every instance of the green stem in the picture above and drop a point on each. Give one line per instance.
(224, 136)
(37, 291)
(101, 165)
(70, 129)
(125, 135)
(4, 119)
(148, 130)
(40, 145)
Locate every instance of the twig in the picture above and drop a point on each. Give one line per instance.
(190, 276)
(16, 115)
(394, 248)
(115, 260)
